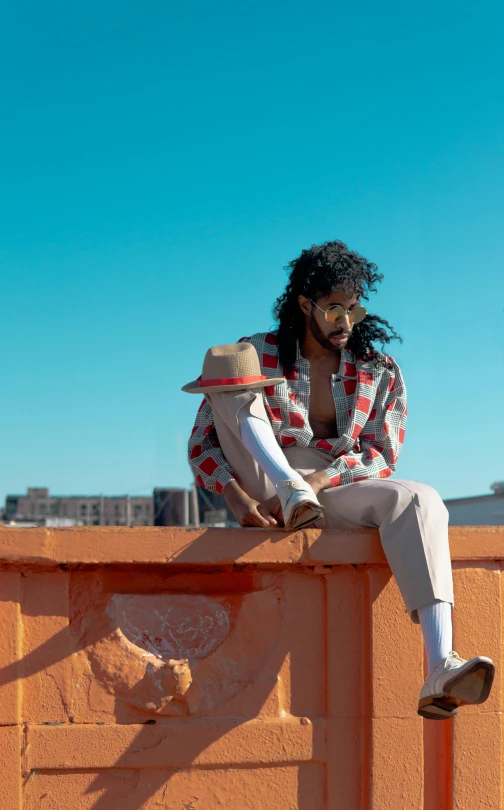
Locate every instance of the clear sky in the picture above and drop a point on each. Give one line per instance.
(162, 162)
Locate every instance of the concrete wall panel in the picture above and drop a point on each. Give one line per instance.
(195, 670)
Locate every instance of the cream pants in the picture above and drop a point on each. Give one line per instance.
(411, 517)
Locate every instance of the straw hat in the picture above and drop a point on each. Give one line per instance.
(230, 367)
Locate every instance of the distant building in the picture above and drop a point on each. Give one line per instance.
(38, 507)
(196, 507)
(481, 510)
(172, 506)
(213, 509)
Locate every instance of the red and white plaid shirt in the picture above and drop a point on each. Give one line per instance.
(371, 412)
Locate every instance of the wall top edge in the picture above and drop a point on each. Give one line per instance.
(181, 545)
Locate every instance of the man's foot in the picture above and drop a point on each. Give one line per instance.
(454, 682)
(300, 506)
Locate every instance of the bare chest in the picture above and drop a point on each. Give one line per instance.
(322, 413)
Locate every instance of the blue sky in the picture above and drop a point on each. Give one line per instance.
(161, 163)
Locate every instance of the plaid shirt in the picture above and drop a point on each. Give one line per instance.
(370, 408)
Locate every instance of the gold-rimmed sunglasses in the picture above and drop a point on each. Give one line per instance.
(335, 311)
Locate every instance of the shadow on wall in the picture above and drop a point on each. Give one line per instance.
(242, 632)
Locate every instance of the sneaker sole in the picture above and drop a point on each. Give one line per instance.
(473, 685)
(438, 707)
(303, 515)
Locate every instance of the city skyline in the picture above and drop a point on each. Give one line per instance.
(176, 506)
(162, 507)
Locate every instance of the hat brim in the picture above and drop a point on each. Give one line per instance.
(194, 387)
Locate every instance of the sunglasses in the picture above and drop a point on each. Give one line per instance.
(335, 311)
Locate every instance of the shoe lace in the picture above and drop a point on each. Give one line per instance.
(290, 485)
(454, 658)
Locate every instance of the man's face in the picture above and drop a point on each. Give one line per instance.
(331, 336)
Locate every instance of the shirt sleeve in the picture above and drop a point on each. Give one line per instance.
(379, 444)
(211, 469)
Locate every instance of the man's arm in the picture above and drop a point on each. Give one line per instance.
(381, 438)
(213, 472)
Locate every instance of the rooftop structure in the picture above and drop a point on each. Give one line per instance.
(480, 510)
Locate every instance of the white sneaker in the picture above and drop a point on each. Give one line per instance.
(300, 506)
(454, 682)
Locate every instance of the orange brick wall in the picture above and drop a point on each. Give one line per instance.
(300, 688)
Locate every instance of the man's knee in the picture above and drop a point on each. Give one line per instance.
(423, 496)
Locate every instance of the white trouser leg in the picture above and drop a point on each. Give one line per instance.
(259, 439)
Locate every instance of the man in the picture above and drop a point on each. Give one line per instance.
(307, 429)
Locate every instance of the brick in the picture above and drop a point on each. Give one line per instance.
(397, 764)
(477, 624)
(283, 788)
(477, 761)
(348, 643)
(292, 677)
(396, 677)
(47, 674)
(302, 677)
(238, 667)
(179, 744)
(10, 759)
(396, 673)
(10, 648)
(348, 763)
(150, 544)
(348, 696)
(437, 764)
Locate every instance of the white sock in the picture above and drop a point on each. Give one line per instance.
(436, 622)
(259, 439)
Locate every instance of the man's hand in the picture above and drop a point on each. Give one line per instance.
(274, 507)
(246, 510)
(318, 481)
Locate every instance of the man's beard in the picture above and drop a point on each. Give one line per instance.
(324, 339)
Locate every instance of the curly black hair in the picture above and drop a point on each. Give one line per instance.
(317, 272)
